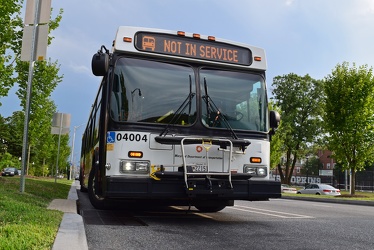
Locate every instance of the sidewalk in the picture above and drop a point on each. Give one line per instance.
(71, 234)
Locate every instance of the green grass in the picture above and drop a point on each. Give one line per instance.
(25, 221)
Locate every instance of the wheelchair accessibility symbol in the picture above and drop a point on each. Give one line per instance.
(111, 137)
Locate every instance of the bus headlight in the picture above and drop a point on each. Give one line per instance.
(259, 171)
(134, 167)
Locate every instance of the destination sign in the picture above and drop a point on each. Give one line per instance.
(192, 48)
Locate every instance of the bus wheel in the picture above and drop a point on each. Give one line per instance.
(94, 194)
(210, 209)
(84, 188)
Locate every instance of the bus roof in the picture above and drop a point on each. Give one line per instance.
(189, 46)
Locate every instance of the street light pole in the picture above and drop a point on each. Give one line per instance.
(25, 142)
(72, 148)
(307, 170)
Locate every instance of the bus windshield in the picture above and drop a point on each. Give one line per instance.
(162, 93)
(236, 98)
(153, 92)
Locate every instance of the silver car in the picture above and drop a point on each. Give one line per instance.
(287, 189)
(319, 189)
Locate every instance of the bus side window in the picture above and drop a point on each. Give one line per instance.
(115, 99)
(114, 106)
(119, 102)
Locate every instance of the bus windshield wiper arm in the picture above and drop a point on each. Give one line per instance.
(180, 110)
(213, 109)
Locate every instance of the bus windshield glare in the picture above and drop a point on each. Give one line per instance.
(160, 93)
(149, 91)
(240, 99)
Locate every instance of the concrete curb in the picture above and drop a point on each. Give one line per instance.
(71, 233)
(332, 200)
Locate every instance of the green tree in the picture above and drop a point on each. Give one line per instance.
(299, 98)
(276, 142)
(348, 116)
(10, 20)
(312, 166)
(42, 143)
(8, 160)
(3, 135)
(45, 80)
(14, 133)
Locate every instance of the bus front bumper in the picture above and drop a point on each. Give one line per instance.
(147, 188)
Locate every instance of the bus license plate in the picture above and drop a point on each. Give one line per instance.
(200, 168)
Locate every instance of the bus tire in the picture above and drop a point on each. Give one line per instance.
(96, 199)
(83, 188)
(210, 209)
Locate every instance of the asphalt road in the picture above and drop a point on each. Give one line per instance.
(277, 224)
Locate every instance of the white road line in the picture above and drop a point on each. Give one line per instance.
(270, 212)
(318, 205)
(198, 214)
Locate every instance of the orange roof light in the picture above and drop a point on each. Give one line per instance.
(197, 36)
(181, 33)
(211, 38)
(127, 39)
(258, 58)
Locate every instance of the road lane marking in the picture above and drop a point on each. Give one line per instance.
(318, 205)
(270, 212)
(198, 214)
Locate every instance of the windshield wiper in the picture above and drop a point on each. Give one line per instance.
(180, 110)
(213, 110)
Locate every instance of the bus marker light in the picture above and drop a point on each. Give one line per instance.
(255, 160)
(197, 36)
(181, 33)
(127, 39)
(211, 38)
(258, 58)
(135, 154)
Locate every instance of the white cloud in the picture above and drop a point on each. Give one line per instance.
(81, 69)
(289, 2)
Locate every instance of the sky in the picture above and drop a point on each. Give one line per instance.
(299, 36)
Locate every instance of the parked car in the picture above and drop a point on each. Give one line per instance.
(288, 189)
(319, 189)
(9, 172)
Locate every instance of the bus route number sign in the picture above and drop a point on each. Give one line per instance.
(192, 48)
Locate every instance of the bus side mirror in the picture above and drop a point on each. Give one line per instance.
(274, 119)
(100, 64)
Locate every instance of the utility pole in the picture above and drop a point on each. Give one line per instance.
(34, 44)
(60, 126)
(72, 149)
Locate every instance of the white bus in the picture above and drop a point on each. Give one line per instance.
(179, 119)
